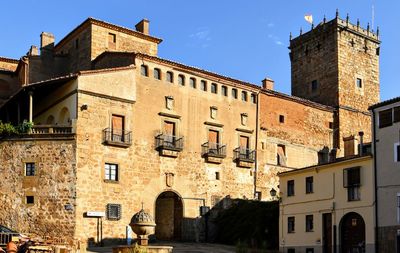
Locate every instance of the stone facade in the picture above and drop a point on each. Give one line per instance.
(178, 139)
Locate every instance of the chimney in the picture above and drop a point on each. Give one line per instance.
(143, 26)
(33, 51)
(268, 83)
(350, 144)
(46, 41)
(361, 134)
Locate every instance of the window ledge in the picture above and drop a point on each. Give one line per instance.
(111, 181)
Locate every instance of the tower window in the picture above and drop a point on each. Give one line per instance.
(30, 199)
(181, 80)
(29, 169)
(170, 77)
(214, 88)
(144, 70)
(203, 85)
(314, 86)
(359, 83)
(157, 74)
(281, 119)
(224, 90)
(244, 96)
(193, 83)
(253, 98)
(216, 175)
(234, 93)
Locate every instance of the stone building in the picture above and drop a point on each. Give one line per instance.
(386, 145)
(116, 127)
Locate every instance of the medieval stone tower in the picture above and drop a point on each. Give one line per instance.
(336, 63)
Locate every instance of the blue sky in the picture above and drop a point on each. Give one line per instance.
(246, 40)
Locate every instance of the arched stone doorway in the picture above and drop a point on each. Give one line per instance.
(352, 230)
(169, 215)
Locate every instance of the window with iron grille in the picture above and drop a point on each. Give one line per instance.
(291, 224)
(29, 169)
(113, 211)
(385, 118)
(309, 223)
(170, 77)
(111, 172)
(309, 185)
(290, 188)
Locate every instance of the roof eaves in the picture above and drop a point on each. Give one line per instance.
(383, 103)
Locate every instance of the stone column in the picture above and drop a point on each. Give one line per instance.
(30, 106)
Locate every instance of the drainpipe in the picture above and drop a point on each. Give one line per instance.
(375, 182)
(256, 145)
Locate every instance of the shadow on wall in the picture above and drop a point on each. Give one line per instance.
(244, 223)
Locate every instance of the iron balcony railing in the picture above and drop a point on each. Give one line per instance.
(210, 149)
(6, 238)
(117, 137)
(169, 142)
(244, 154)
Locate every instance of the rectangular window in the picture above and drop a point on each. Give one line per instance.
(291, 224)
(216, 175)
(352, 181)
(111, 172)
(281, 155)
(193, 83)
(244, 142)
(385, 118)
(359, 83)
(244, 96)
(397, 152)
(157, 74)
(214, 88)
(258, 195)
(30, 199)
(398, 208)
(309, 250)
(253, 98)
(281, 119)
(290, 188)
(113, 211)
(112, 39)
(29, 169)
(203, 85)
(224, 91)
(170, 77)
(309, 185)
(314, 86)
(76, 43)
(181, 80)
(144, 70)
(234, 93)
(309, 223)
(396, 114)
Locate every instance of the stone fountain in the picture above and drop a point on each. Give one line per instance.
(142, 225)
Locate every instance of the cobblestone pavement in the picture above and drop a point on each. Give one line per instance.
(181, 247)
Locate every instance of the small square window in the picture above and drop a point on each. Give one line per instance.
(111, 172)
(244, 96)
(144, 70)
(224, 91)
(76, 43)
(170, 77)
(157, 74)
(112, 37)
(330, 124)
(203, 85)
(281, 119)
(359, 83)
(309, 223)
(113, 211)
(193, 83)
(234, 93)
(30, 199)
(217, 175)
(309, 185)
(290, 188)
(291, 224)
(214, 88)
(29, 169)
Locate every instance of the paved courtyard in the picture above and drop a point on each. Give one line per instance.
(181, 247)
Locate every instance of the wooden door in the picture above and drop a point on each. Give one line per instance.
(213, 140)
(169, 133)
(327, 233)
(352, 233)
(117, 128)
(244, 142)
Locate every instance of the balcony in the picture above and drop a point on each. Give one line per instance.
(51, 129)
(213, 152)
(244, 157)
(119, 138)
(169, 145)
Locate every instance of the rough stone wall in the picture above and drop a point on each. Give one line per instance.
(124, 42)
(53, 186)
(8, 64)
(114, 60)
(314, 56)
(142, 176)
(357, 58)
(304, 132)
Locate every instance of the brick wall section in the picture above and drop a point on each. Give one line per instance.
(53, 187)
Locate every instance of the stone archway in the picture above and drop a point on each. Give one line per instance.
(169, 216)
(352, 233)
